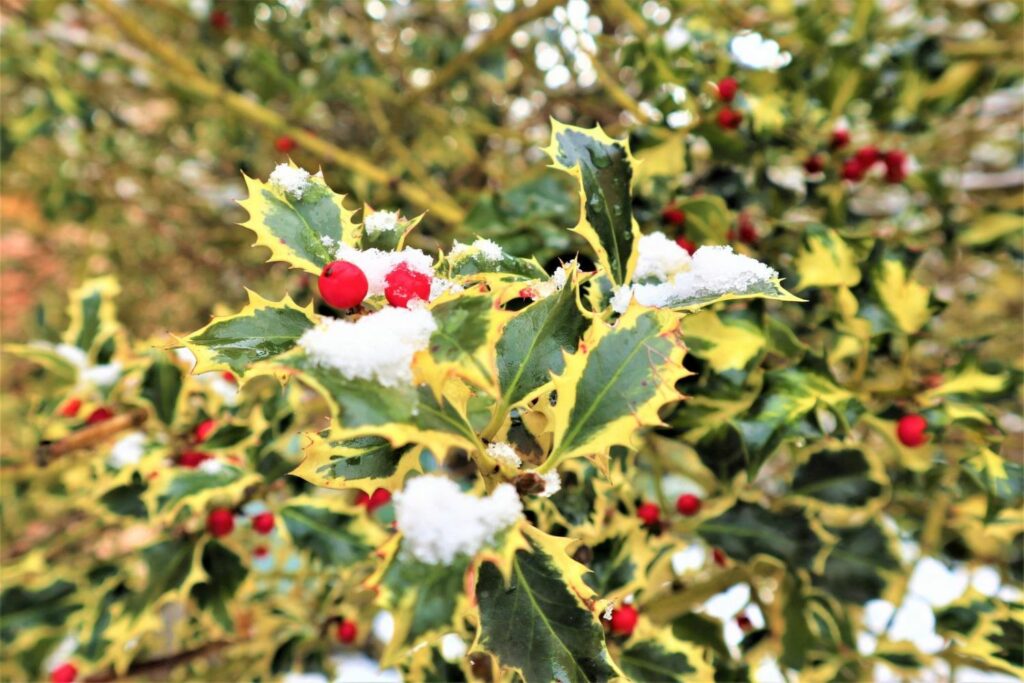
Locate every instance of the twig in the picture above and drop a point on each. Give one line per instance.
(187, 76)
(664, 608)
(498, 36)
(90, 435)
(162, 665)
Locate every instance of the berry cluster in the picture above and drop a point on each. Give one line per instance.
(343, 285)
(728, 118)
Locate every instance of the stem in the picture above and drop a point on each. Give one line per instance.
(185, 75)
(90, 436)
(664, 608)
(498, 36)
(149, 669)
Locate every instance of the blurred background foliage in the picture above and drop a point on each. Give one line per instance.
(127, 126)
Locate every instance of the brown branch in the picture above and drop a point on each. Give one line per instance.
(499, 35)
(90, 435)
(159, 668)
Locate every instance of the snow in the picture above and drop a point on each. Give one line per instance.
(98, 375)
(127, 450)
(453, 647)
(504, 454)
(360, 668)
(937, 585)
(440, 523)
(458, 249)
(552, 484)
(692, 559)
(377, 347)
(380, 221)
(440, 285)
(211, 466)
(659, 257)
(377, 263)
(383, 626)
(754, 51)
(304, 677)
(488, 249)
(714, 271)
(290, 180)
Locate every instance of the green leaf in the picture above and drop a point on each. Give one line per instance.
(170, 564)
(532, 344)
(185, 484)
(92, 313)
(366, 462)
(839, 476)
(294, 229)
(1000, 478)
(261, 330)
(604, 169)
(537, 624)
(662, 658)
(826, 260)
(226, 435)
(161, 386)
(326, 534)
(23, 608)
(726, 342)
(904, 299)
(708, 220)
(991, 227)
(619, 380)
(463, 343)
(471, 261)
(860, 564)
(746, 530)
(225, 573)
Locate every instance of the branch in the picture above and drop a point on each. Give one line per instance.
(90, 436)
(154, 669)
(663, 609)
(184, 74)
(498, 36)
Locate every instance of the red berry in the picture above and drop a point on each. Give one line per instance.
(719, 556)
(362, 498)
(649, 513)
(192, 459)
(260, 551)
(404, 284)
(840, 138)
(814, 164)
(347, 632)
(673, 215)
(747, 232)
(380, 497)
(688, 504)
(895, 166)
(867, 156)
(853, 170)
(686, 244)
(203, 430)
(220, 522)
(730, 119)
(99, 415)
(911, 430)
(623, 620)
(228, 377)
(71, 408)
(727, 88)
(343, 284)
(743, 621)
(220, 20)
(263, 523)
(65, 673)
(284, 144)
(527, 293)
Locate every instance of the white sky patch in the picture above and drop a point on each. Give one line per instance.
(383, 626)
(714, 271)
(754, 51)
(102, 375)
(503, 452)
(376, 264)
(290, 180)
(659, 257)
(127, 450)
(440, 523)
(359, 668)
(935, 584)
(380, 221)
(377, 347)
(304, 677)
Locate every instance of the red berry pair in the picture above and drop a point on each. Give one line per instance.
(687, 505)
(377, 499)
(344, 285)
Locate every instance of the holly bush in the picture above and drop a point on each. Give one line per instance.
(754, 417)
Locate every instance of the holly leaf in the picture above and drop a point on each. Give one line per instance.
(23, 608)
(826, 260)
(225, 572)
(860, 565)
(261, 330)
(904, 299)
(366, 463)
(463, 344)
(746, 530)
(708, 220)
(726, 342)
(178, 487)
(172, 570)
(618, 380)
(657, 655)
(603, 167)
(470, 262)
(161, 387)
(845, 484)
(92, 313)
(537, 622)
(299, 232)
(532, 346)
(328, 532)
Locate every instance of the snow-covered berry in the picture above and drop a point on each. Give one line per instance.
(342, 284)
(405, 284)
